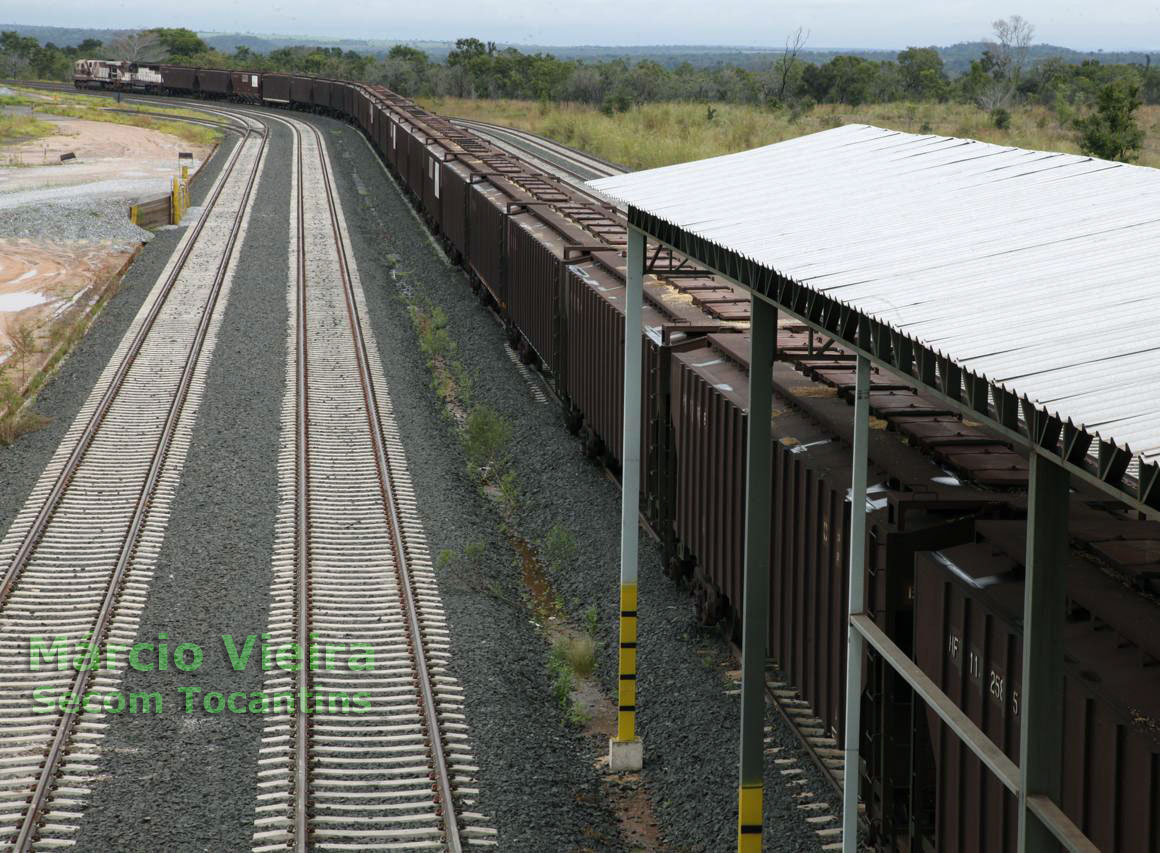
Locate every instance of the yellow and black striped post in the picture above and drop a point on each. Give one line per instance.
(749, 818)
(625, 752)
(626, 695)
(755, 607)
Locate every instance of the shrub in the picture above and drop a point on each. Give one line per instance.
(1111, 132)
(1001, 118)
(485, 438)
(559, 547)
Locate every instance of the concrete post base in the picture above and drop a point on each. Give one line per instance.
(625, 756)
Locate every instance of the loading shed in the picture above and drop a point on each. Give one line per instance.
(1021, 288)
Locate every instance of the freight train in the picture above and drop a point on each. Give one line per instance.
(946, 513)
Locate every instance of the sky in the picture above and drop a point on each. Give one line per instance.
(1110, 25)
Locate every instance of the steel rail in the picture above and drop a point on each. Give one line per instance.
(64, 724)
(531, 142)
(444, 794)
(302, 525)
(84, 441)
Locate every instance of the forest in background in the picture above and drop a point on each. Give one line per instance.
(620, 77)
(1097, 101)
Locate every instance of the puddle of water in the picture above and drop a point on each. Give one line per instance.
(10, 302)
(536, 580)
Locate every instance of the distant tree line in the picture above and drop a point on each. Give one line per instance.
(1002, 77)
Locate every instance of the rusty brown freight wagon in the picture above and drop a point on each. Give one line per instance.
(968, 606)
(211, 81)
(302, 90)
(487, 211)
(433, 183)
(276, 88)
(342, 98)
(417, 161)
(178, 79)
(246, 85)
(811, 478)
(453, 193)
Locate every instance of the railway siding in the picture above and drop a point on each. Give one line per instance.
(79, 558)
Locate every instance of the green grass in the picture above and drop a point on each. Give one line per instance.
(660, 134)
(18, 101)
(194, 133)
(485, 441)
(21, 128)
(559, 547)
(578, 652)
(106, 109)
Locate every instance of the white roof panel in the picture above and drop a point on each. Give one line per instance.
(1038, 271)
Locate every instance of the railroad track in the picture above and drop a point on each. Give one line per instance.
(393, 770)
(569, 162)
(78, 559)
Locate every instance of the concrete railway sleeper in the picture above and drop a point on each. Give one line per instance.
(79, 558)
(369, 749)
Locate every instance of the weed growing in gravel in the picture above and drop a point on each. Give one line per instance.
(485, 439)
(591, 621)
(449, 376)
(22, 337)
(509, 493)
(561, 673)
(16, 418)
(562, 668)
(559, 547)
(472, 556)
(434, 339)
(580, 653)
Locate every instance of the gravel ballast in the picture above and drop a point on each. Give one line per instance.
(96, 221)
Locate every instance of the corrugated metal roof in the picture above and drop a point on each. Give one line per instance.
(1039, 271)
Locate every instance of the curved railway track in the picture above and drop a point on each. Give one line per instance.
(568, 162)
(78, 558)
(392, 769)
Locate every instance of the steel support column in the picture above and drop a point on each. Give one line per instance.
(857, 603)
(755, 626)
(1041, 703)
(625, 750)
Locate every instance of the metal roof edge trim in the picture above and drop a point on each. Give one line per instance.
(1015, 416)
